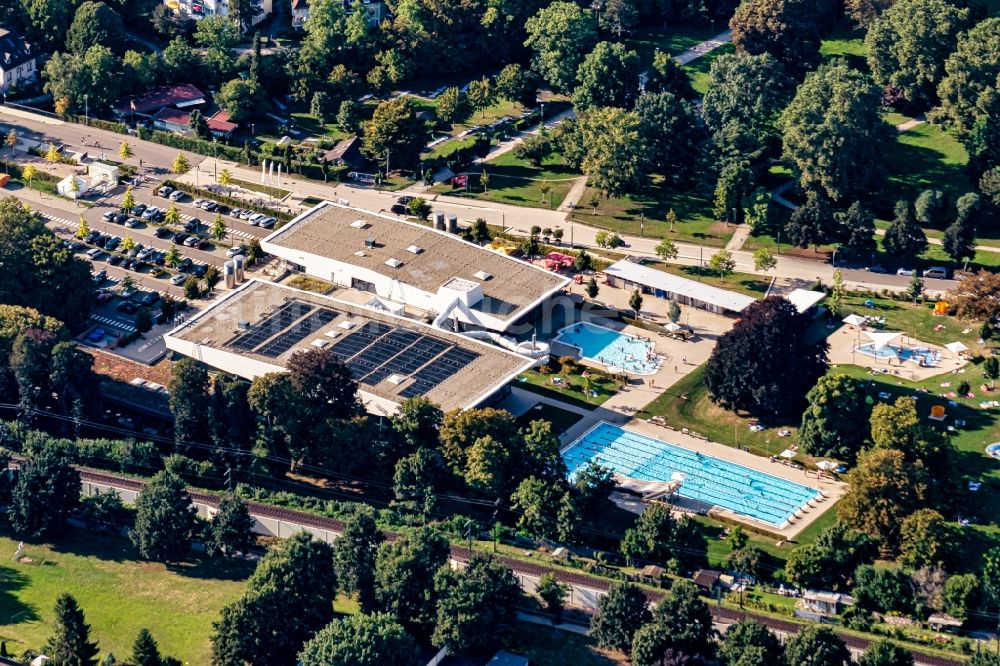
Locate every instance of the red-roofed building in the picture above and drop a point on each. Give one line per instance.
(175, 120)
(180, 96)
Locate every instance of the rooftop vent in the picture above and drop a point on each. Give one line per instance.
(320, 343)
(396, 380)
(370, 242)
(393, 262)
(360, 253)
(347, 325)
(483, 275)
(359, 224)
(243, 325)
(415, 249)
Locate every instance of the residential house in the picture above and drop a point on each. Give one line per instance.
(300, 12)
(175, 120)
(347, 152)
(199, 9)
(821, 605)
(18, 59)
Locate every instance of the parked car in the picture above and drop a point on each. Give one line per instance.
(267, 223)
(138, 209)
(127, 307)
(235, 250)
(150, 213)
(144, 253)
(145, 297)
(94, 253)
(191, 241)
(178, 280)
(204, 244)
(159, 257)
(907, 272)
(115, 259)
(210, 205)
(165, 191)
(163, 232)
(120, 218)
(236, 212)
(113, 243)
(133, 223)
(199, 270)
(139, 266)
(245, 215)
(197, 203)
(192, 225)
(936, 272)
(405, 199)
(176, 195)
(136, 249)
(92, 236)
(876, 269)
(100, 276)
(101, 240)
(180, 238)
(108, 216)
(128, 263)
(400, 209)
(103, 295)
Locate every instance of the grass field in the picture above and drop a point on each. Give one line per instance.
(926, 156)
(554, 647)
(744, 283)
(119, 595)
(515, 181)
(561, 419)
(644, 214)
(571, 390)
(846, 42)
(673, 40)
(310, 124)
(698, 69)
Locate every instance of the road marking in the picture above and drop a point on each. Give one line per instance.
(108, 321)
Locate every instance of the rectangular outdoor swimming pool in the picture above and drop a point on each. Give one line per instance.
(611, 348)
(714, 481)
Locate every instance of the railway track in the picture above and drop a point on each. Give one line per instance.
(461, 554)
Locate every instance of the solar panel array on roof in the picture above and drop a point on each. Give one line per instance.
(441, 369)
(298, 332)
(376, 351)
(271, 325)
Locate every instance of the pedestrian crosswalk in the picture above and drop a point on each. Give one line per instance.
(108, 321)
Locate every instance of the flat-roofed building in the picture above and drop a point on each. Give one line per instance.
(257, 327)
(415, 265)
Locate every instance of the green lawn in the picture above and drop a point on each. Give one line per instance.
(561, 419)
(515, 181)
(744, 283)
(926, 156)
(310, 125)
(644, 214)
(846, 42)
(119, 595)
(698, 69)
(276, 192)
(571, 390)
(555, 647)
(673, 40)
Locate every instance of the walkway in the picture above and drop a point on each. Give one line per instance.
(705, 47)
(738, 238)
(572, 197)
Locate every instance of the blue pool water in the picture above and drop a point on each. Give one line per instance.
(920, 355)
(607, 347)
(711, 480)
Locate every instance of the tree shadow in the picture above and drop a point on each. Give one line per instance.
(12, 609)
(214, 568)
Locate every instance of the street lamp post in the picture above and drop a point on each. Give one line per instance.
(86, 110)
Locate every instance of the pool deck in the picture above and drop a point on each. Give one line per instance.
(832, 489)
(844, 340)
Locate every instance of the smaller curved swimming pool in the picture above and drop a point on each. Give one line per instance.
(920, 355)
(611, 348)
(993, 450)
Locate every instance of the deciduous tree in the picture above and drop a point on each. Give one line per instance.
(620, 613)
(834, 133)
(46, 491)
(904, 237)
(747, 370)
(816, 646)
(608, 76)
(354, 556)
(359, 640)
(394, 135)
(787, 29)
(969, 89)
(835, 422)
(164, 519)
(559, 36)
(231, 529)
(404, 575)
(476, 606)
